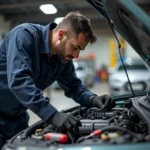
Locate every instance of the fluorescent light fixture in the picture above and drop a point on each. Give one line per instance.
(48, 9)
(58, 20)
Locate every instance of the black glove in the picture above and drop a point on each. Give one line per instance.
(64, 121)
(102, 102)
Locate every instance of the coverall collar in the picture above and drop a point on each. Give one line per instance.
(45, 49)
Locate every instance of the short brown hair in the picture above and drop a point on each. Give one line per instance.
(78, 23)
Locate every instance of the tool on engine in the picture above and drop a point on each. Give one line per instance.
(58, 137)
(93, 134)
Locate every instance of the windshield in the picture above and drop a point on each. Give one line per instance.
(79, 68)
(133, 67)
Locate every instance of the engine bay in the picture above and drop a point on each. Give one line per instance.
(127, 123)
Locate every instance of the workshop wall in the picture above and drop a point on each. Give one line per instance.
(100, 49)
(102, 52)
(130, 52)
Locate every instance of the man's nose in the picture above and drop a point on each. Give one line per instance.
(76, 54)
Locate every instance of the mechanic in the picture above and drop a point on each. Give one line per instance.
(32, 57)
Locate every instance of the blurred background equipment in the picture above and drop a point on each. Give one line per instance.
(84, 68)
(85, 73)
(102, 73)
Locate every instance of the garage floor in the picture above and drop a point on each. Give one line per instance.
(60, 101)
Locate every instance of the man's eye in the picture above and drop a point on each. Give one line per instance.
(76, 48)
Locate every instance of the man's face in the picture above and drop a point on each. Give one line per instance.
(69, 48)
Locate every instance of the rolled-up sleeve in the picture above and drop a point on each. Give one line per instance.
(19, 74)
(73, 86)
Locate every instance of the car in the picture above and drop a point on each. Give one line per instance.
(83, 72)
(127, 125)
(118, 83)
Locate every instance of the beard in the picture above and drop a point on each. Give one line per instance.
(60, 51)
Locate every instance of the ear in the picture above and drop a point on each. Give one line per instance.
(61, 34)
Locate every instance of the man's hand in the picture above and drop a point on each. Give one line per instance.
(102, 102)
(64, 121)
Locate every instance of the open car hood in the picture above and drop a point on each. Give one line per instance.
(130, 21)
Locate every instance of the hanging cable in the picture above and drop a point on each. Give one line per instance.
(100, 5)
(119, 47)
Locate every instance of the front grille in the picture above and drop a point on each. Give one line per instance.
(137, 86)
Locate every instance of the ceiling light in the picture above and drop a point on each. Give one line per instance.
(58, 20)
(48, 9)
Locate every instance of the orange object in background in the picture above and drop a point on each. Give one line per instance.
(91, 56)
(103, 73)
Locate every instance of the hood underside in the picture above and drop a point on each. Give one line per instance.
(130, 21)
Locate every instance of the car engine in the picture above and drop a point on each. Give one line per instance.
(125, 123)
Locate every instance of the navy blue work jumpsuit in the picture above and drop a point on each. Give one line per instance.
(25, 72)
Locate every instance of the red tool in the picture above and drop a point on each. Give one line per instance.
(94, 133)
(62, 138)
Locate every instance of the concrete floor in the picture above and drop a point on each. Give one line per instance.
(59, 101)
